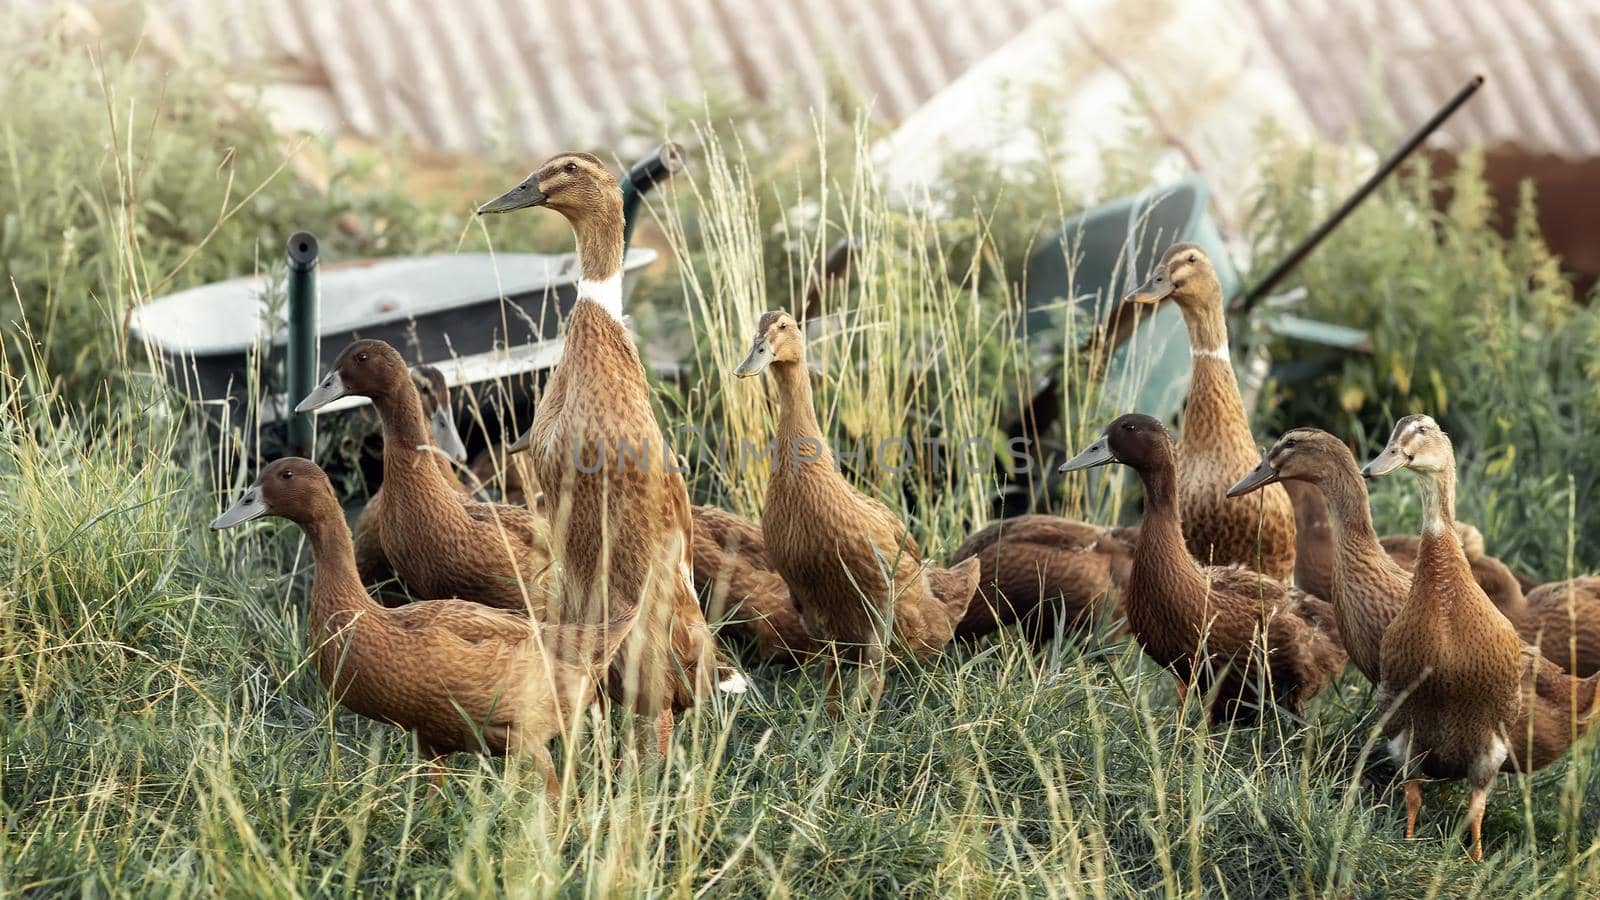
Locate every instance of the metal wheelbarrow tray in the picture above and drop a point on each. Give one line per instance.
(478, 316)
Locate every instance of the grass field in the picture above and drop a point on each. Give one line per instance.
(162, 733)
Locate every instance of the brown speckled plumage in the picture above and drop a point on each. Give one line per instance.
(618, 509)
(850, 563)
(449, 670)
(1199, 621)
(741, 589)
(1047, 573)
(1314, 551)
(419, 526)
(1562, 619)
(1469, 697)
(1215, 447)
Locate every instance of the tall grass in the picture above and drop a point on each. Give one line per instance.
(163, 732)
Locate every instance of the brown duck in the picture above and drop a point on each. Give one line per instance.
(1048, 573)
(1467, 697)
(437, 542)
(618, 506)
(854, 571)
(462, 676)
(1207, 623)
(1215, 447)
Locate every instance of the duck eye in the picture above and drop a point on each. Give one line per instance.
(571, 168)
(1289, 443)
(286, 475)
(1191, 257)
(361, 357)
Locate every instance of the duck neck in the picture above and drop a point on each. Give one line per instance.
(410, 462)
(799, 434)
(1351, 518)
(1160, 554)
(599, 236)
(1440, 557)
(1214, 415)
(336, 585)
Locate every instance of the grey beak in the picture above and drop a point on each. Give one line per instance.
(757, 360)
(1259, 477)
(331, 389)
(1096, 454)
(1389, 460)
(1155, 289)
(445, 435)
(250, 506)
(522, 196)
(522, 443)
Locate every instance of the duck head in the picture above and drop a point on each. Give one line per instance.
(1135, 440)
(1417, 443)
(569, 183)
(1185, 275)
(435, 394)
(363, 369)
(293, 488)
(778, 340)
(1304, 454)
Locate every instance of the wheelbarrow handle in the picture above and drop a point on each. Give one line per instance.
(665, 162)
(645, 175)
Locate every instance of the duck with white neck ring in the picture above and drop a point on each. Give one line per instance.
(618, 507)
(1215, 446)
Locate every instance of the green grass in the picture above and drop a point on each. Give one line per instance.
(162, 732)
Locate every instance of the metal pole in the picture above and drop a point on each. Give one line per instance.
(1301, 250)
(642, 178)
(302, 362)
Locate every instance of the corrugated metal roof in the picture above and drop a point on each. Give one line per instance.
(536, 74)
(1541, 59)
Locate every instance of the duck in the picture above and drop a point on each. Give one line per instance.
(852, 567)
(462, 676)
(1314, 550)
(618, 506)
(1200, 620)
(439, 543)
(1215, 446)
(1050, 574)
(1466, 697)
(740, 589)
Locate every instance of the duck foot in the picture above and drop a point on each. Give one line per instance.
(1413, 805)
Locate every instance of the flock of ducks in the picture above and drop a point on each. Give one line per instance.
(590, 575)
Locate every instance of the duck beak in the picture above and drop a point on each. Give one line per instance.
(522, 443)
(250, 506)
(331, 389)
(1156, 288)
(1259, 477)
(757, 360)
(522, 196)
(445, 435)
(1096, 454)
(1389, 460)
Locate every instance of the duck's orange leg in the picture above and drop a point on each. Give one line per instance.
(1413, 805)
(1183, 692)
(664, 731)
(1475, 807)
